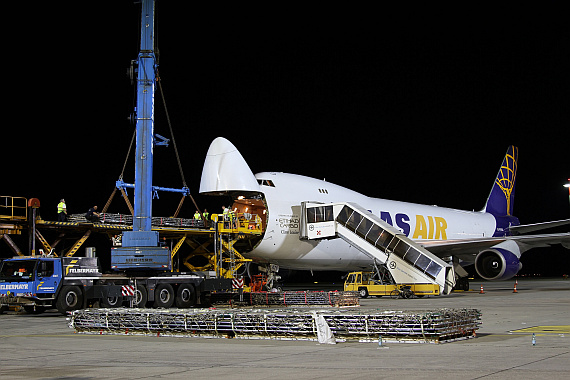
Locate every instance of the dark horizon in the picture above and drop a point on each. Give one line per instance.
(415, 117)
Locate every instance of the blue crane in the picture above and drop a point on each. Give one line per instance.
(140, 248)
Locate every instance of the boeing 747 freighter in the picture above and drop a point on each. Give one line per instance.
(491, 238)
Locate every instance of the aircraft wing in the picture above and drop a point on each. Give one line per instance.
(524, 228)
(466, 248)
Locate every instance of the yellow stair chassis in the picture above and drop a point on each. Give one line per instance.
(356, 281)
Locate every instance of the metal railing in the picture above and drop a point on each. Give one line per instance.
(13, 208)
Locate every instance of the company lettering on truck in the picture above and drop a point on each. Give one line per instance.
(70, 269)
(14, 286)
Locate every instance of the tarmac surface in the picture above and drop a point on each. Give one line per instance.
(44, 347)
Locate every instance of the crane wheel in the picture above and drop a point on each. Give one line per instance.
(164, 296)
(70, 298)
(185, 296)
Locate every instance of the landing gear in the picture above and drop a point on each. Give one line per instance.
(462, 283)
(271, 278)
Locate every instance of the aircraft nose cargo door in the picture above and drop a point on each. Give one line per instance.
(407, 261)
(226, 170)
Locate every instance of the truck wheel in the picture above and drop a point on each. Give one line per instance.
(164, 296)
(363, 292)
(70, 298)
(185, 296)
(111, 302)
(141, 296)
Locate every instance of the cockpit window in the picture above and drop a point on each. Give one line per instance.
(265, 182)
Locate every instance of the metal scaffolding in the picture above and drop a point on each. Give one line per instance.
(429, 326)
(290, 298)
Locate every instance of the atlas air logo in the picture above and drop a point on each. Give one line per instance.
(426, 227)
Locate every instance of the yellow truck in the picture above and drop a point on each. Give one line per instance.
(365, 285)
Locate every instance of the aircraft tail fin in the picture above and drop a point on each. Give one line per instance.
(501, 198)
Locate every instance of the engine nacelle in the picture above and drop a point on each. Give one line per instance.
(497, 264)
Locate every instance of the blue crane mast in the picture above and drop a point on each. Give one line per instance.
(140, 247)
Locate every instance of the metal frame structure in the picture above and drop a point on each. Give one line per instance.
(428, 326)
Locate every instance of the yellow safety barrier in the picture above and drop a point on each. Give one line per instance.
(13, 208)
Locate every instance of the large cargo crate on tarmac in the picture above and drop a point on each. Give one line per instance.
(429, 326)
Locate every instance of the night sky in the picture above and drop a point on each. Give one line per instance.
(391, 111)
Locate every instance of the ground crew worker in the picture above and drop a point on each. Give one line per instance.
(197, 215)
(61, 211)
(233, 219)
(92, 215)
(206, 217)
(226, 216)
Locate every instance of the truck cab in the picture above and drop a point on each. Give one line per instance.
(29, 281)
(66, 283)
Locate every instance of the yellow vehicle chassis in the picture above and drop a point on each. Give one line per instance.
(358, 281)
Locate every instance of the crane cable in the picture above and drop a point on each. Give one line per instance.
(158, 80)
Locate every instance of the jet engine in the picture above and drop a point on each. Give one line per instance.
(497, 264)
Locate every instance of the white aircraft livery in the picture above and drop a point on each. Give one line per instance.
(491, 238)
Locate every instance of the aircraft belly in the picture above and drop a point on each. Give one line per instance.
(333, 254)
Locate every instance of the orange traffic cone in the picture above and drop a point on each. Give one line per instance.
(515, 289)
(481, 292)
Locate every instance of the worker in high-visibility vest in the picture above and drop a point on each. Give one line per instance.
(226, 216)
(206, 214)
(61, 211)
(233, 218)
(197, 215)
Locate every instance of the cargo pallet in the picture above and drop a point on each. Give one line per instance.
(288, 298)
(429, 326)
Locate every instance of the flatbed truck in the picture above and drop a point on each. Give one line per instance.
(365, 284)
(72, 283)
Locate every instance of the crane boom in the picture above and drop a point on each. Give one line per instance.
(140, 248)
(145, 121)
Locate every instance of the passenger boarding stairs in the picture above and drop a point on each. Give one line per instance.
(407, 261)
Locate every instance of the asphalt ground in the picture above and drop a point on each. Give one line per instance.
(44, 347)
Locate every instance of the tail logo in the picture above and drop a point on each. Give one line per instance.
(507, 175)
